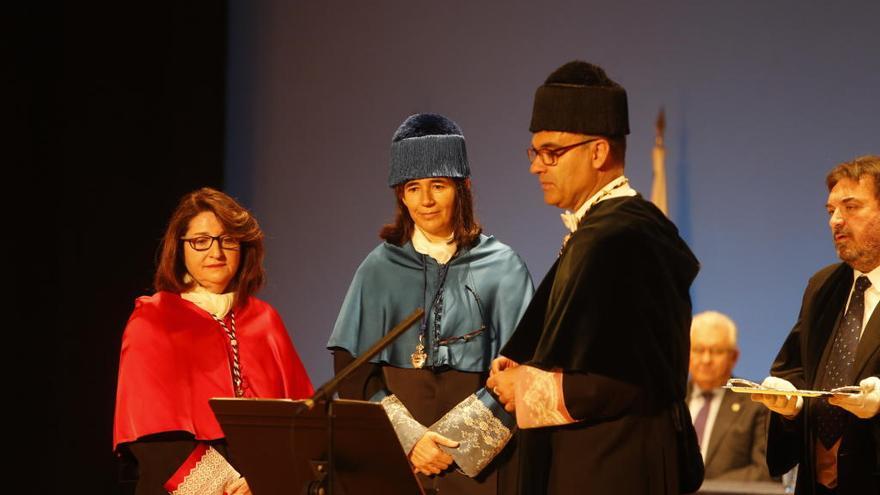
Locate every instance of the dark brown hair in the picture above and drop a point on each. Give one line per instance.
(466, 229)
(236, 221)
(868, 165)
(618, 148)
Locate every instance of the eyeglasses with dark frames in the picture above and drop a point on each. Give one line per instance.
(204, 242)
(550, 156)
(470, 335)
(713, 351)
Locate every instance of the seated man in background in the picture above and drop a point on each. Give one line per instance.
(732, 431)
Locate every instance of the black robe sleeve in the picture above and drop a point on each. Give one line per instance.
(159, 456)
(597, 397)
(616, 310)
(785, 437)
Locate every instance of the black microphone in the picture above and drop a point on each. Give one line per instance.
(326, 390)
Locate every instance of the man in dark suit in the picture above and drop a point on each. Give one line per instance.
(835, 342)
(732, 429)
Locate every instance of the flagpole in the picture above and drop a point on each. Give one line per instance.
(658, 188)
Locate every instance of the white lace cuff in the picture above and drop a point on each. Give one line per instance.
(481, 426)
(204, 472)
(539, 399)
(408, 430)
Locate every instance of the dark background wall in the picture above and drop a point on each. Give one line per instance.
(762, 99)
(123, 112)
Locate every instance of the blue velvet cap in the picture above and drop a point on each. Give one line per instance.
(427, 145)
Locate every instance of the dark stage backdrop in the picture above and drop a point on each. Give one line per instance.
(124, 110)
(762, 98)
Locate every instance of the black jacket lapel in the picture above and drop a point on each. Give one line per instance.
(827, 306)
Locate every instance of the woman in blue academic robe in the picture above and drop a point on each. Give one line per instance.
(474, 290)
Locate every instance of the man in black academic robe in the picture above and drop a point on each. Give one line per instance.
(835, 342)
(597, 367)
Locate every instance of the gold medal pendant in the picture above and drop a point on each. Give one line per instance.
(419, 357)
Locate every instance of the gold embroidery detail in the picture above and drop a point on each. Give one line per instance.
(480, 433)
(209, 477)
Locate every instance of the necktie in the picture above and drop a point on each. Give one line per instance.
(702, 415)
(832, 419)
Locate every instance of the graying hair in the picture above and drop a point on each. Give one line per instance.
(718, 320)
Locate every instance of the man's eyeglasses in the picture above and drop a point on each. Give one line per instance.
(549, 156)
(204, 242)
(713, 351)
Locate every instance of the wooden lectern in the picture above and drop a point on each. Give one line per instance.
(284, 448)
(319, 446)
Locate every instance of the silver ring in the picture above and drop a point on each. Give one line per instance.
(495, 391)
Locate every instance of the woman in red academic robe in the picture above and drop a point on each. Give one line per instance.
(203, 334)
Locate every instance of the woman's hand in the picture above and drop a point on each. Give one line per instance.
(427, 458)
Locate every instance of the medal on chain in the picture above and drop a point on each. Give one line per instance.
(419, 357)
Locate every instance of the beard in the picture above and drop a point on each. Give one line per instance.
(861, 253)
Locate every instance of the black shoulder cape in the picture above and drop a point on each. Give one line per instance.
(616, 302)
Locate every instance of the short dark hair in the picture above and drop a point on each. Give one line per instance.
(466, 229)
(237, 222)
(868, 165)
(617, 144)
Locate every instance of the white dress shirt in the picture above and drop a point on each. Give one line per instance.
(442, 250)
(872, 294)
(695, 403)
(617, 188)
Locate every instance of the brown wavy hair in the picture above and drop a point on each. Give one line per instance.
(863, 166)
(466, 229)
(237, 222)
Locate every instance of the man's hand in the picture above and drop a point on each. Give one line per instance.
(427, 458)
(866, 403)
(786, 405)
(500, 364)
(503, 384)
(238, 487)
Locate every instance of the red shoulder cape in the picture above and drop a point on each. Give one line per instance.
(175, 357)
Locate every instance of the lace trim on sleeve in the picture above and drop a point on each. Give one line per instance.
(539, 399)
(408, 430)
(480, 430)
(204, 472)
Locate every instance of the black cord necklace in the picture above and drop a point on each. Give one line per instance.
(419, 357)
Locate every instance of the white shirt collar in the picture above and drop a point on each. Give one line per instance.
(617, 188)
(873, 276)
(696, 391)
(441, 250)
(215, 304)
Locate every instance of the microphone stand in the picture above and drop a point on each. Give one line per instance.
(325, 393)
